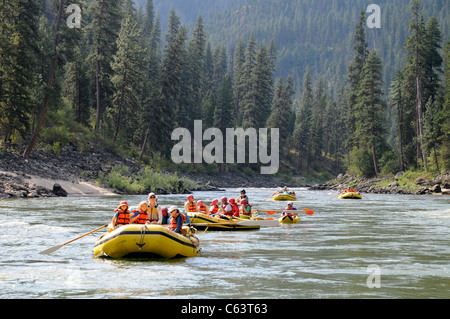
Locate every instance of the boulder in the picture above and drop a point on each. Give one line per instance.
(59, 191)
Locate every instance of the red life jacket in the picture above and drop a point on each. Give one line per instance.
(215, 209)
(123, 217)
(203, 208)
(173, 222)
(142, 219)
(234, 210)
(191, 206)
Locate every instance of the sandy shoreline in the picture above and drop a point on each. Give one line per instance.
(72, 188)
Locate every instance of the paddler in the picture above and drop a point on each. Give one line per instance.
(290, 206)
(242, 197)
(202, 208)
(246, 208)
(176, 219)
(214, 207)
(154, 211)
(234, 208)
(225, 208)
(140, 215)
(190, 206)
(121, 215)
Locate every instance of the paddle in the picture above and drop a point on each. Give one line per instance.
(55, 248)
(273, 212)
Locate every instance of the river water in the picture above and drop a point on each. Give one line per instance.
(384, 246)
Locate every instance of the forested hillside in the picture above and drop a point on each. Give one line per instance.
(317, 34)
(345, 97)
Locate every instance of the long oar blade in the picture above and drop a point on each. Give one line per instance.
(50, 250)
(55, 248)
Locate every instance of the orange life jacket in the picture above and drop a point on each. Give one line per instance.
(191, 206)
(247, 211)
(215, 209)
(173, 222)
(142, 219)
(123, 217)
(203, 208)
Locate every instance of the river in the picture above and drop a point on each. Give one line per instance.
(383, 246)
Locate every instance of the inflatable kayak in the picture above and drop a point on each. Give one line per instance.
(146, 241)
(202, 221)
(289, 220)
(284, 196)
(350, 195)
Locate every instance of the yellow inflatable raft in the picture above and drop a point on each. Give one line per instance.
(202, 221)
(350, 195)
(289, 220)
(146, 241)
(284, 196)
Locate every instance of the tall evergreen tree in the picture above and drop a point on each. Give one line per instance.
(18, 47)
(354, 76)
(301, 134)
(281, 111)
(398, 103)
(415, 46)
(127, 72)
(105, 26)
(445, 112)
(369, 109)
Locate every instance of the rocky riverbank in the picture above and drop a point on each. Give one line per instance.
(401, 183)
(46, 174)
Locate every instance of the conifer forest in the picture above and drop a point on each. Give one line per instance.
(123, 74)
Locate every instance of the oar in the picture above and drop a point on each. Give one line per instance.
(273, 212)
(55, 248)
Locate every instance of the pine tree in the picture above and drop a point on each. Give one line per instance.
(445, 112)
(239, 79)
(105, 25)
(196, 58)
(369, 109)
(18, 46)
(433, 60)
(51, 77)
(398, 103)
(281, 111)
(354, 76)
(149, 19)
(415, 45)
(127, 72)
(301, 134)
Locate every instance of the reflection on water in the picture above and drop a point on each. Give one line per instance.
(327, 255)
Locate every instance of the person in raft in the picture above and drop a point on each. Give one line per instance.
(214, 207)
(140, 215)
(286, 191)
(202, 208)
(246, 208)
(225, 209)
(190, 206)
(242, 197)
(234, 208)
(165, 215)
(290, 206)
(176, 219)
(121, 215)
(154, 211)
